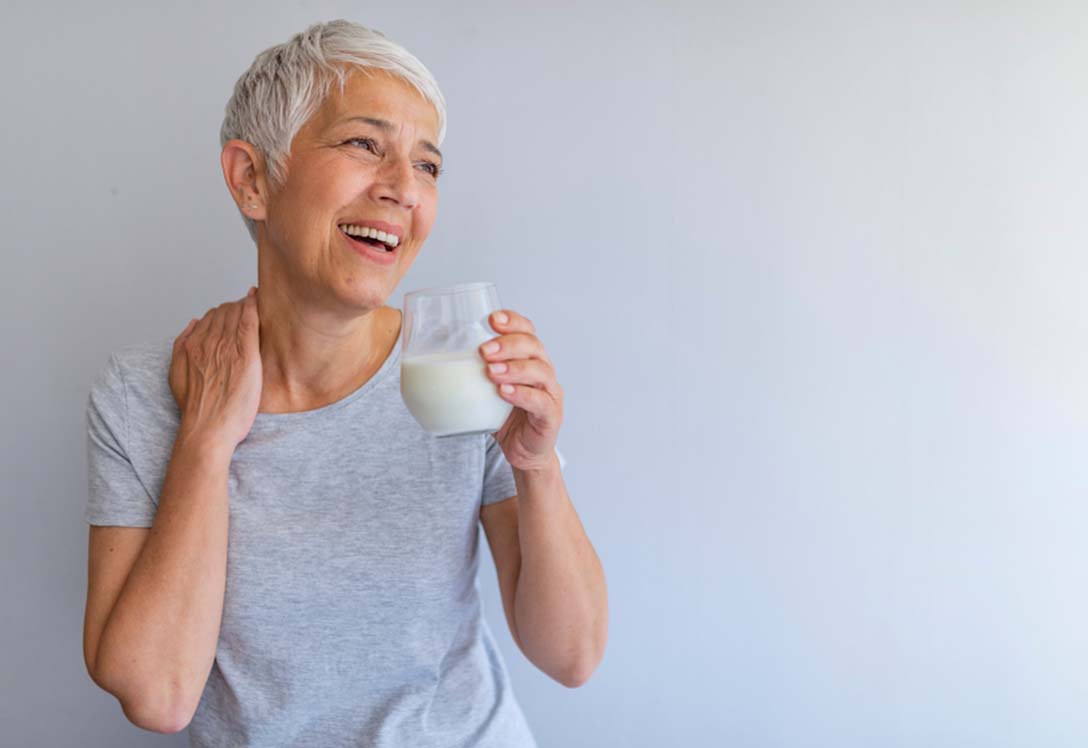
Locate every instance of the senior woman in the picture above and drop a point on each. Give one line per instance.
(279, 555)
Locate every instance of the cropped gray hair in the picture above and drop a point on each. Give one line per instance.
(287, 83)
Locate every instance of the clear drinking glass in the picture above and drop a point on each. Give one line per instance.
(443, 378)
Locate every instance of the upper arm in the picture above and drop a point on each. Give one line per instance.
(111, 554)
(500, 521)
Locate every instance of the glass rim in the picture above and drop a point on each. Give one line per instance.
(447, 290)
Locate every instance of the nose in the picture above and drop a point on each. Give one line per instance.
(396, 183)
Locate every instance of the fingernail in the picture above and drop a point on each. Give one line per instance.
(501, 318)
(491, 347)
(252, 290)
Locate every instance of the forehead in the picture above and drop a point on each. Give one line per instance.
(377, 94)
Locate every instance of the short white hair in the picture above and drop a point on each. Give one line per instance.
(288, 83)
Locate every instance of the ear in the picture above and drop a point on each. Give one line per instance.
(244, 172)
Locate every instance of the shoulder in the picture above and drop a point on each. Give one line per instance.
(139, 373)
(144, 366)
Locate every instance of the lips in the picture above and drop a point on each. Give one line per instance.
(367, 250)
(389, 228)
(378, 244)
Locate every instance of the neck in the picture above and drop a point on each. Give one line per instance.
(312, 355)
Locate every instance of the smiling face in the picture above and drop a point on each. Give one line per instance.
(366, 158)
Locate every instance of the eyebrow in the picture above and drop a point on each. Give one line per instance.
(387, 126)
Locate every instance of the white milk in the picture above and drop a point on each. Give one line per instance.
(449, 393)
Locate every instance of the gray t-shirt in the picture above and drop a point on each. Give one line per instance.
(351, 615)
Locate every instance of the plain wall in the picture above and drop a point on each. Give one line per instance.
(812, 278)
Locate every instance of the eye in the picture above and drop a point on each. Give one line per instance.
(430, 167)
(370, 144)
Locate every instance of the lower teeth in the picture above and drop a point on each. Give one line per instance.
(376, 244)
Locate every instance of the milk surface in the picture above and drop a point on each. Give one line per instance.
(449, 393)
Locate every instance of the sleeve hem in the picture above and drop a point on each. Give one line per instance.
(115, 520)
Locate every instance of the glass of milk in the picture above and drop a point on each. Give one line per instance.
(443, 378)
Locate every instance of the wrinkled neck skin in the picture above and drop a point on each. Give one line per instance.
(316, 348)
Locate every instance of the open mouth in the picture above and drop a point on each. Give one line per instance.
(378, 240)
(379, 245)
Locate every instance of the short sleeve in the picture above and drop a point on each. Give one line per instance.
(116, 496)
(499, 476)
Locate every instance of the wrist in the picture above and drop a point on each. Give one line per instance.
(204, 444)
(546, 474)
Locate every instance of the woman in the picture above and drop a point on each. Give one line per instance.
(279, 555)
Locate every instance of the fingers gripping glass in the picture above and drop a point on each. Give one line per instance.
(443, 378)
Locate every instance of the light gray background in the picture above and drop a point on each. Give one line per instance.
(812, 277)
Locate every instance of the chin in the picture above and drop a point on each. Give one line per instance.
(364, 294)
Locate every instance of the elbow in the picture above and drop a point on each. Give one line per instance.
(577, 675)
(578, 672)
(159, 710)
(574, 680)
(580, 668)
(155, 719)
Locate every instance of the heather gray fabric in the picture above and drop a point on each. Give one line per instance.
(351, 615)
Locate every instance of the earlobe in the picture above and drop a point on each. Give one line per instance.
(240, 173)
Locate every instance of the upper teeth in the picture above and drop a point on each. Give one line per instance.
(370, 233)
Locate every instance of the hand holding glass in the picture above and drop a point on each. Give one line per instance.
(443, 378)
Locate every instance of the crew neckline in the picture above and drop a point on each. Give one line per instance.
(383, 372)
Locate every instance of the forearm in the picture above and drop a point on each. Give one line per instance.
(560, 602)
(158, 645)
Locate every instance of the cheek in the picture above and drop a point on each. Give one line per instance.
(426, 216)
(423, 228)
